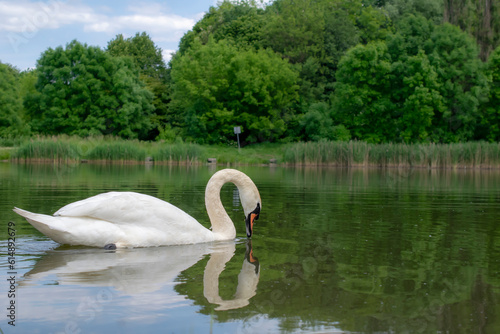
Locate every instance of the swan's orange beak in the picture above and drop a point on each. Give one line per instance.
(254, 215)
(249, 223)
(250, 256)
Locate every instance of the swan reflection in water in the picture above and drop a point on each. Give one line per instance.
(141, 276)
(247, 279)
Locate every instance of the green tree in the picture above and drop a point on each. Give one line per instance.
(217, 86)
(317, 124)
(455, 58)
(430, 9)
(425, 83)
(416, 95)
(491, 117)
(374, 24)
(11, 104)
(415, 85)
(312, 35)
(362, 94)
(82, 90)
(412, 32)
(340, 35)
(238, 21)
(148, 58)
(294, 29)
(457, 74)
(27, 82)
(480, 19)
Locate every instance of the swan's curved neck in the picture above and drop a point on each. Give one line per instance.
(222, 225)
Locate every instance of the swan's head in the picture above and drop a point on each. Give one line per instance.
(250, 200)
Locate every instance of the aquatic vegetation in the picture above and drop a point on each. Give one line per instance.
(332, 153)
(431, 155)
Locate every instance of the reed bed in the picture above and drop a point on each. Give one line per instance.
(104, 149)
(5, 153)
(342, 154)
(431, 155)
(257, 154)
(177, 153)
(117, 151)
(47, 149)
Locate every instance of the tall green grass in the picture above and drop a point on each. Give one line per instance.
(178, 152)
(354, 153)
(105, 149)
(117, 151)
(52, 149)
(256, 154)
(5, 153)
(111, 149)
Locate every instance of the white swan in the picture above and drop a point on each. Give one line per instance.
(128, 219)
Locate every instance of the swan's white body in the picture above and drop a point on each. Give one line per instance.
(129, 219)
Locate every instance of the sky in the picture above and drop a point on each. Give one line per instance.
(29, 27)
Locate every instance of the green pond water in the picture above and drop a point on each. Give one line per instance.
(334, 251)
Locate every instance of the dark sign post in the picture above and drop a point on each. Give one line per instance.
(237, 131)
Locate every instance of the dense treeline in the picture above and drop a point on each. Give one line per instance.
(372, 70)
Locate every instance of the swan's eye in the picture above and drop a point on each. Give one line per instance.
(257, 210)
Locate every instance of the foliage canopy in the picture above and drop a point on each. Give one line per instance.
(11, 104)
(217, 86)
(372, 70)
(148, 59)
(83, 90)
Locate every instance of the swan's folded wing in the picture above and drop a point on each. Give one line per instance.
(127, 208)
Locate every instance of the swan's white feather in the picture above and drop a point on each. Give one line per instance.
(126, 219)
(125, 208)
(130, 219)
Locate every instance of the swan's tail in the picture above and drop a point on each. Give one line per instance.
(48, 225)
(75, 230)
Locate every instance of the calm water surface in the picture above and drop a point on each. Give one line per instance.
(334, 251)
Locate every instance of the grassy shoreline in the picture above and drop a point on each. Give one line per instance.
(61, 149)
(361, 154)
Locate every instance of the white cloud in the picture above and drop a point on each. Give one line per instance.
(27, 17)
(167, 55)
(146, 8)
(139, 22)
